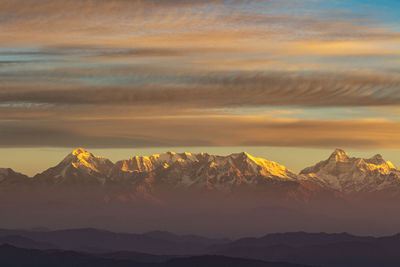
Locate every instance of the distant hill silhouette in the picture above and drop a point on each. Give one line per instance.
(319, 249)
(94, 240)
(316, 249)
(23, 242)
(18, 257)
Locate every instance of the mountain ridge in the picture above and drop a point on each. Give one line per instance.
(339, 172)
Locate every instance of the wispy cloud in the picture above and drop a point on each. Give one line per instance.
(158, 72)
(217, 90)
(201, 131)
(91, 21)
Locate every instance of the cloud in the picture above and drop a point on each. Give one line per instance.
(24, 134)
(201, 131)
(121, 21)
(219, 90)
(156, 72)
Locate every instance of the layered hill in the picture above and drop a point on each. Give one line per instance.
(102, 241)
(20, 257)
(317, 249)
(92, 247)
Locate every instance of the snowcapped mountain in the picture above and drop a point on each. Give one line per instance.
(168, 170)
(9, 177)
(78, 168)
(172, 171)
(354, 175)
(186, 170)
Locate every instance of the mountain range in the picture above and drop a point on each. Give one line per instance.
(340, 174)
(235, 195)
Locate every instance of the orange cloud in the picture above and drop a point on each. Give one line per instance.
(201, 131)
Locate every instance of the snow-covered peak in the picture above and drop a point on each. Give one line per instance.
(80, 150)
(81, 158)
(146, 164)
(200, 170)
(263, 167)
(349, 174)
(339, 155)
(78, 167)
(243, 161)
(379, 160)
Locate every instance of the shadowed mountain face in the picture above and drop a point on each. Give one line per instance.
(9, 177)
(181, 192)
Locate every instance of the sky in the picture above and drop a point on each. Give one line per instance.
(287, 80)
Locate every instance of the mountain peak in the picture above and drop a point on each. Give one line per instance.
(79, 166)
(78, 156)
(241, 155)
(377, 159)
(377, 156)
(82, 155)
(245, 156)
(339, 155)
(354, 174)
(244, 153)
(262, 166)
(79, 150)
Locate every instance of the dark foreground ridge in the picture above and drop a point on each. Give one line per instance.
(16, 257)
(91, 247)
